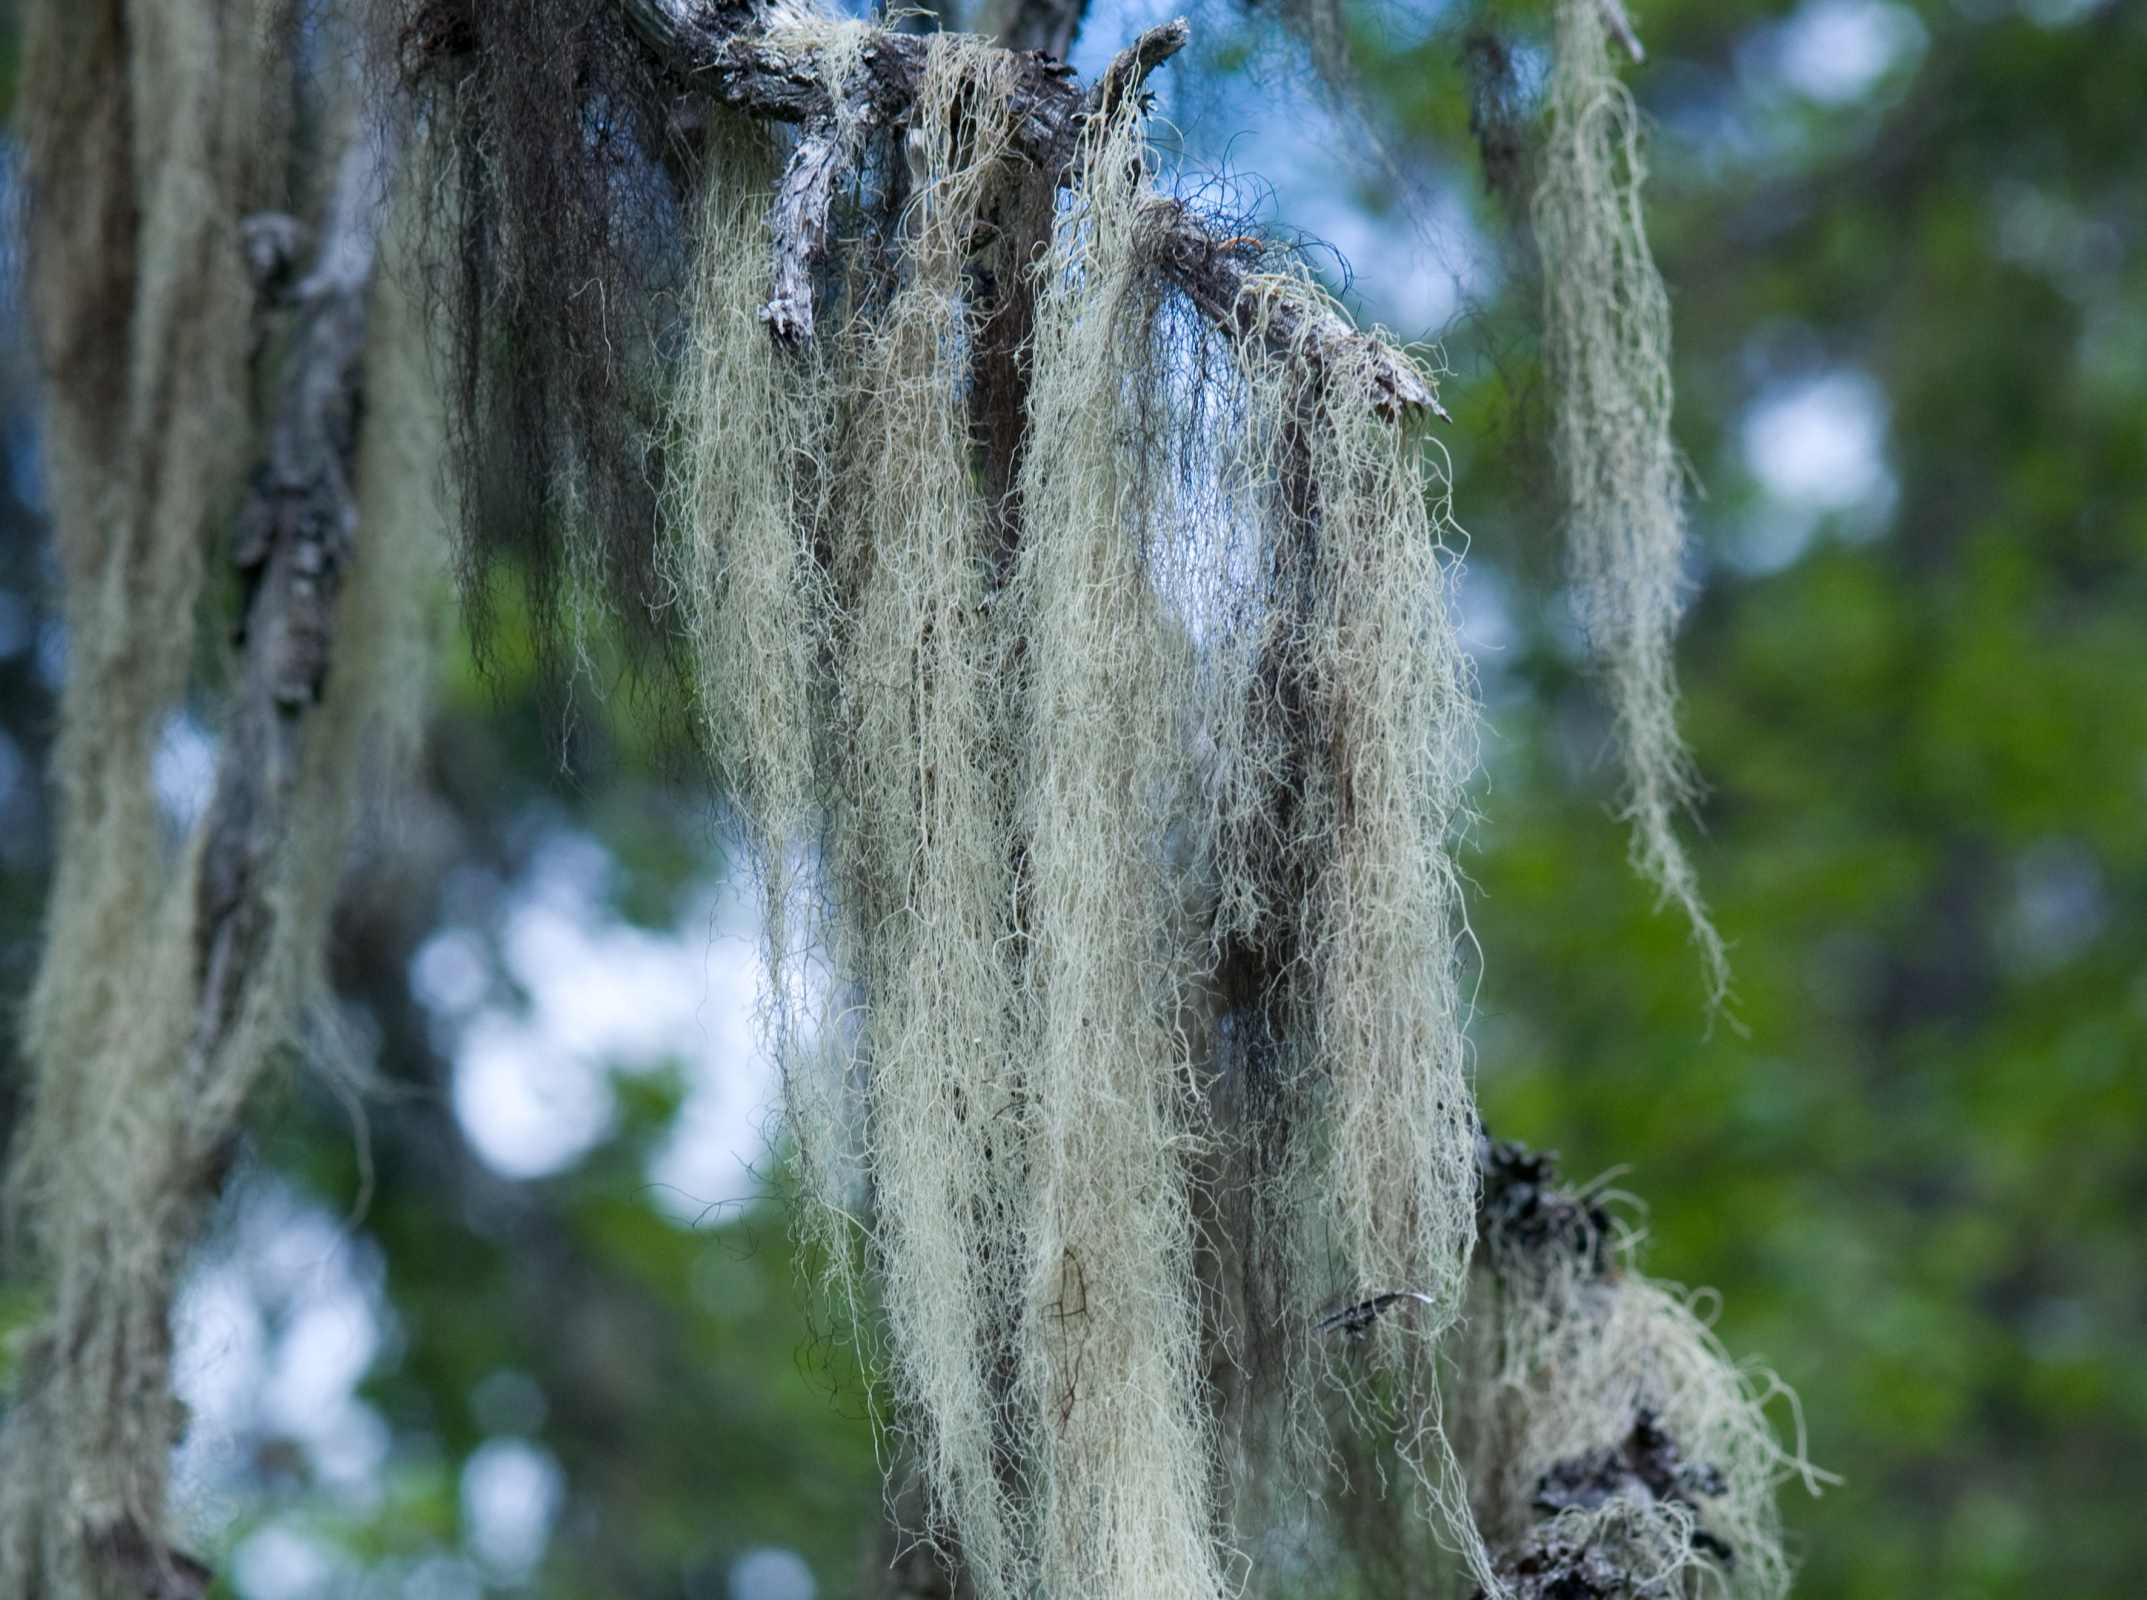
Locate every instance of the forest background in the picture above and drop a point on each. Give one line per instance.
(521, 1314)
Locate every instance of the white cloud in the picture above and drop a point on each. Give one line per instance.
(221, 1342)
(527, 1108)
(280, 1563)
(451, 972)
(183, 771)
(1818, 448)
(1820, 444)
(277, 1326)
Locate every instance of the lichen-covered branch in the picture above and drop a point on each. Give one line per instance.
(1219, 276)
(168, 976)
(141, 124)
(294, 539)
(1639, 1455)
(800, 221)
(1524, 1213)
(761, 60)
(764, 60)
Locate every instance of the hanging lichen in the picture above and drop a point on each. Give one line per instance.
(554, 259)
(1072, 621)
(177, 962)
(1607, 349)
(1068, 593)
(921, 861)
(1112, 1357)
(1048, 824)
(141, 301)
(1376, 743)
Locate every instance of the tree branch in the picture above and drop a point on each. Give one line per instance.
(294, 537)
(1621, 28)
(799, 220)
(1530, 1226)
(754, 58)
(1224, 288)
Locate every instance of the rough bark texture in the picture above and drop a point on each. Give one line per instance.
(294, 537)
(152, 139)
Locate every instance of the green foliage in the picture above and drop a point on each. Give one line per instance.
(1914, 1168)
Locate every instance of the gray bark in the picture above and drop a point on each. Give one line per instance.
(295, 535)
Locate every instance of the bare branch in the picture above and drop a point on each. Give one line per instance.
(1129, 69)
(799, 221)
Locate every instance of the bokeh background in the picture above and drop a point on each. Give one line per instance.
(519, 1315)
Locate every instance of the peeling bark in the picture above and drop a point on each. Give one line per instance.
(800, 220)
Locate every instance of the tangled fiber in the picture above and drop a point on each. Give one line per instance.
(738, 562)
(1607, 348)
(835, 554)
(1107, 829)
(1351, 736)
(1598, 1417)
(921, 862)
(1113, 1347)
(555, 192)
(141, 300)
(1075, 634)
(142, 1041)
